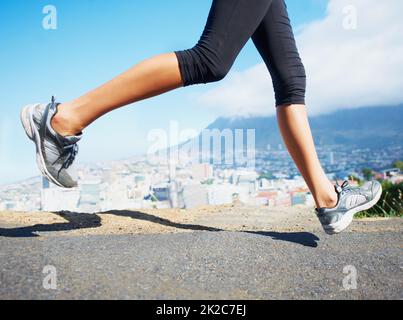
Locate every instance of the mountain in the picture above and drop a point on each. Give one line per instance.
(369, 127)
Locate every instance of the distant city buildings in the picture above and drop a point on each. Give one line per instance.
(140, 183)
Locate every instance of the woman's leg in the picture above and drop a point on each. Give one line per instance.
(275, 41)
(230, 25)
(294, 127)
(149, 78)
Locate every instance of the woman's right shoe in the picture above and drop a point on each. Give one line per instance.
(351, 200)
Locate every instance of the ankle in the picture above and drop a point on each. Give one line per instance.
(327, 200)
(64, 121)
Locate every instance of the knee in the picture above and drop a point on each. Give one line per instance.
(217, 71)
(203, 65)
(291, 89)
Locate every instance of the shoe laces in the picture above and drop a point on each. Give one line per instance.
(69, 152)
(68, 155)
(345, 188)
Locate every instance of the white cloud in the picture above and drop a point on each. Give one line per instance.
(346, 68)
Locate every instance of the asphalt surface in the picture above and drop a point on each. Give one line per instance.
(203, 265)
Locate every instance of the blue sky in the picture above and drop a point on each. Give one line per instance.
(96, 40)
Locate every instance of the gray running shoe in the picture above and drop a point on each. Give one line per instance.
(351, 200)
(54, 153)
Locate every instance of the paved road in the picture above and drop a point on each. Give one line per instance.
(203, 265)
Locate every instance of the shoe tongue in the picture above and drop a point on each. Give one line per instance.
(338, 188)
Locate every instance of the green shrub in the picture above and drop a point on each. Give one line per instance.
(390, 203)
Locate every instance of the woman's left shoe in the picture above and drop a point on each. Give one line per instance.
(54, 153)
(351, 200)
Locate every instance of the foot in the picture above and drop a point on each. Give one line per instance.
(351, 200)
(54, 153)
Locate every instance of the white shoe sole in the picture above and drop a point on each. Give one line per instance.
(32, 133)
(348, 217)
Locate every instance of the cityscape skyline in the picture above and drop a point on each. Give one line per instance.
(143, 182)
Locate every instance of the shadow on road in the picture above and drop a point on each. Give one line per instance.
(86, 221)
(77, 220)
(165, 222)
(304, 238)
(74, 221)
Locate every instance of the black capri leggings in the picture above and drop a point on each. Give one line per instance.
(229, 26)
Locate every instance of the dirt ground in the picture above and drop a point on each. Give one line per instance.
(153, 221)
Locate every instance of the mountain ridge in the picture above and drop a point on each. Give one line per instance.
(366, 127)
